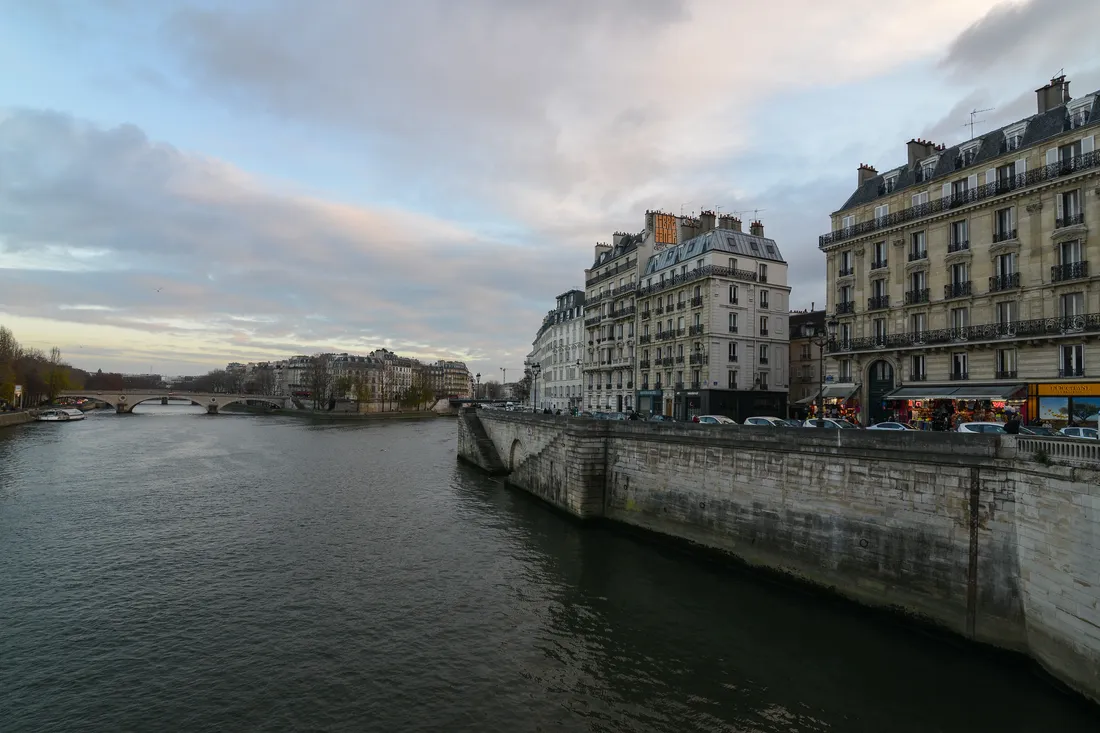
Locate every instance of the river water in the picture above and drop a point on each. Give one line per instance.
(171, 571)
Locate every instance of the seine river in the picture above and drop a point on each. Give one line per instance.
(169, 571)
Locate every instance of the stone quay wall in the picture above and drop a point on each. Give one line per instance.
(8, 419)
(965, 532)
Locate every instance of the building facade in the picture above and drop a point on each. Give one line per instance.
(806, 360)
(965, 273)
(712, 323)
(558, 350)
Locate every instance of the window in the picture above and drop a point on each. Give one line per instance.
(733, 294)
(1066, 153)
(680, 323)
(844, 333)
(733, 323)
(1069, 252)
(697, 292)
(959, 187)
(763, 376)
(1005, 312)
(1004, 224)
(668, 303)
(763, 325)
(732, 380)
(922, 197)
(960, 317)
(959, 365)
(960, 234)
(881, 212)
(698, 265)
(1071, 360)
(1013, 141)
(1072, 304)
(763, 353)
(878, 327)
(845, 369)
(846, 294)
(918, 322)
(879, 254)
(918, 281)
(917, 250)
(733, 263)
(733, 351)
(695, 379)
(916, 368)
(680, 351)
(683, 269)
(846, 222)
(1069, 208)
(960, 274)
(805, 352)
(878, 288)
(1005, 265)
(763, 273)
(1079, 111)
(1006, 173)
(763, 298)
(846, 265)
(1006, 364)
(698, 320)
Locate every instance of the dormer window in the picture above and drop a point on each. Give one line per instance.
(967, 153)
(927, 168)
(1014, 136)
(1079, 110)
(889, 182)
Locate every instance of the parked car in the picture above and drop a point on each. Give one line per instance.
(1039, 430)
(830, 423)
(981, 427)
(776, 422)
(661, 418)
(715, 420)
(1080, 433)
(891, 426)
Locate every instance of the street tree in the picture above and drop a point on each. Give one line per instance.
(57, 375)
(320, 380)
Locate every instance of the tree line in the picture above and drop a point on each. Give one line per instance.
(42, 376)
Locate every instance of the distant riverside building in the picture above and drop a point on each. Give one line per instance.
(806, 368)
(558, 350)
(611, 284)
(969, 271)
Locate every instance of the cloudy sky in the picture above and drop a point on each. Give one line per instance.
(182, 185)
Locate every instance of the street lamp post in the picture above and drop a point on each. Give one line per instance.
(535, 370)
(821, 339)
(477, 395)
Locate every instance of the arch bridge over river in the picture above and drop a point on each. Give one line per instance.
(124, 401)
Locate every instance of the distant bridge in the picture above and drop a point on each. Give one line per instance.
(124, 401)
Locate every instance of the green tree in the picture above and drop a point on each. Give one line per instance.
(361, 389)
(57, 376)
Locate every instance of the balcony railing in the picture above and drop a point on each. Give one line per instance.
(1004, 235)
(698, 274)
(593, 320)
(918, 255)
(645, 339)
(956, 290)
(877, 302)
(599, 387)
(612, 293)
(667, 361)
(733, 358)
(959, 376)
(1069, 271)
(623, 312)
(763, 360)
(846, 307)
(680, 359)
(878, 264)
(1069, 221)
(697, 301)
(643, 364)
(1011, 374)
(846, 271)
(764, 304)
(913, 297)
(628, 266)
(646, 314)
(619, 385)
(763, 332)
(917, 376)
(733, 329)
(979, 193)
(659, 310)
(630, 385)
(1071, 372)
(681, 305)
(998, 283)
(697, 359)
(1038, 327)
(695, 330)
(959, 246)
(695, 385)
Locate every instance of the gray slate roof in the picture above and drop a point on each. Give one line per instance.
(627, 244)
(717, 240)
(1040, 127)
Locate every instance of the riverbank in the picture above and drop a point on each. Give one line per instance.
(9, 419)
(334, 416)
(968, 535)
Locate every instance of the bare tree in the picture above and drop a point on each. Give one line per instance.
(263, 381)
(320, 380)
(57, 377)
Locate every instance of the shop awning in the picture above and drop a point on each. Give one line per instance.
(840, 391)
(956, 392)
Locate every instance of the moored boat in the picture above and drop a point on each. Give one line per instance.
(60, 414)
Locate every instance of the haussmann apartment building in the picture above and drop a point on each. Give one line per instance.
(970, 272)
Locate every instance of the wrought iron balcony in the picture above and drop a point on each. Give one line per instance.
(667, 361)
(630, 385)
(592, 321)
(1004, 235)
(695, 385)
(681, 305)
(657, 384)
(695, 330)
(697, 301)
(915, 256)
(646, 339)
(846, 307)
(700, 273)
(913, 297)
(959, 246)
(680, 332)
(628, 266)
(959, 376)
(764, 304)
(733, 329)
(680, 359)
(1069, 271)
(763, 332)
(956, 290)
(733, 358)
(619, 385)
(1038, 327)
(623, 312)
(646, 314)
(878, 302)
(1005, 374)
(763, 360)
(1071, 372)
(846, 271)
(643, 364)
(917, 376)
(1069, 221)
(609, 386)
(979, 193)
(998, 283)
(659, 310)
(697, 359)
(598, 387)
(879, 265)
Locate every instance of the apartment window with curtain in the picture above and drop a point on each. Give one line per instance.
(1005, 312)
(1071, 360)
(846, 265)
(917, 248)
(763, 325)
(1072, 304)
(762, 273)
(732, 379)
(918, 322)
(844, 333)
(763, 377)
(878, 254)
(960, 235)
(1069, 208)
(763, 353)
(878, 329)
(763, 298)
(733, 294)
(959, 364)
(1004, 224)
(916, 368)
(1006, 364)
(733, 322)
(960, 318)
(844, 367)
(733, 351)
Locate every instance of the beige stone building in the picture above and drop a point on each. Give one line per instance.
(806, 362)
(965, 272)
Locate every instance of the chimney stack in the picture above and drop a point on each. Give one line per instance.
(707, 221)
(735, 224)
(725, 221)
(601, 247)
(756, 229)
(686, 228)
(866, 173)
(1053, 95)
(919, 150)
(616, 238)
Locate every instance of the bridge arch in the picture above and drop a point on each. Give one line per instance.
(516, 454)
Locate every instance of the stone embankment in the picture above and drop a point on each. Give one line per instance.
(970, 533)
(8, 419)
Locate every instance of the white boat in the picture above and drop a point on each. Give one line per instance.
(59, 415)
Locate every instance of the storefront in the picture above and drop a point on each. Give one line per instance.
(839, 400)
(649, 402)
(944, 406)
(687, 404)
(1060, 403)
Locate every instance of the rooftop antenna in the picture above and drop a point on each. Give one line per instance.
(682, 209)
(974, 113)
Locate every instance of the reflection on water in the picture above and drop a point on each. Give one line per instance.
(174, 571)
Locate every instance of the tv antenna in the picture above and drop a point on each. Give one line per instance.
(682, 208)
(974, 113)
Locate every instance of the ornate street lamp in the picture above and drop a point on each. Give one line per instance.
(821, 339)
(535, 370)
(477, 392)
